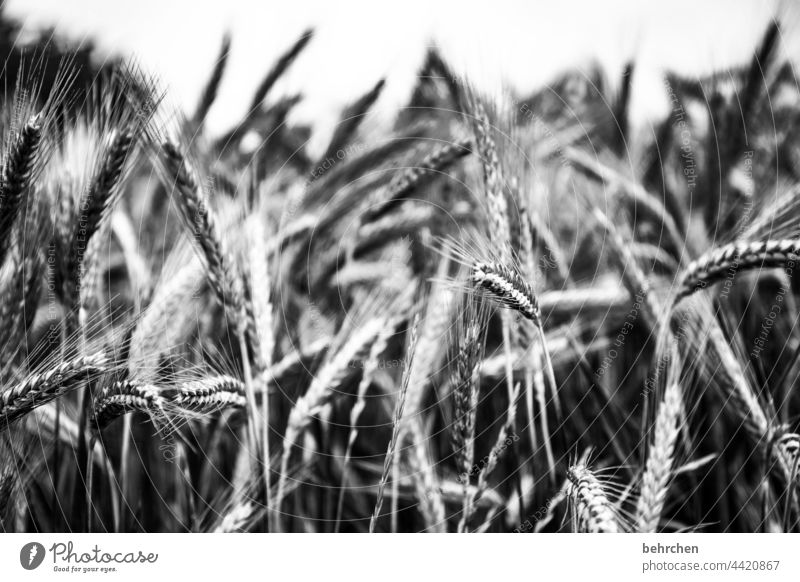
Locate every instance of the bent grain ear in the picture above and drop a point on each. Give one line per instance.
(279, 68)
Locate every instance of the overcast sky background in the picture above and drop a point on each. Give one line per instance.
(524, 44)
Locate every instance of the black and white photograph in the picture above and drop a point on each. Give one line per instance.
(430, 267)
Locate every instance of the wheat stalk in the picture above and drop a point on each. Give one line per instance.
(426, 482)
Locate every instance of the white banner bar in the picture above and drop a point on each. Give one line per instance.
(404, 558)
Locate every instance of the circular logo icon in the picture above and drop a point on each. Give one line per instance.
(31, 555)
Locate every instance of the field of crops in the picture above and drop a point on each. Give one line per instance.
(527, 315)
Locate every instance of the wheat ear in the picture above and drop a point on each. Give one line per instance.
(222, 273)
(279, 68)
(95, 208)
(351, 119)
(734, 258)
(642, 200)
(507, 287)
(593, 511)
(497, 203)
(370, 368)
(197, 214)
(505, 438)
(17, 173)
(658, 470)
(39, 388)
(123, 397)
(322, 391)
(21, 297)
(209, 94)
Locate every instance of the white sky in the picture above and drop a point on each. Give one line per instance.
(521, 43)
